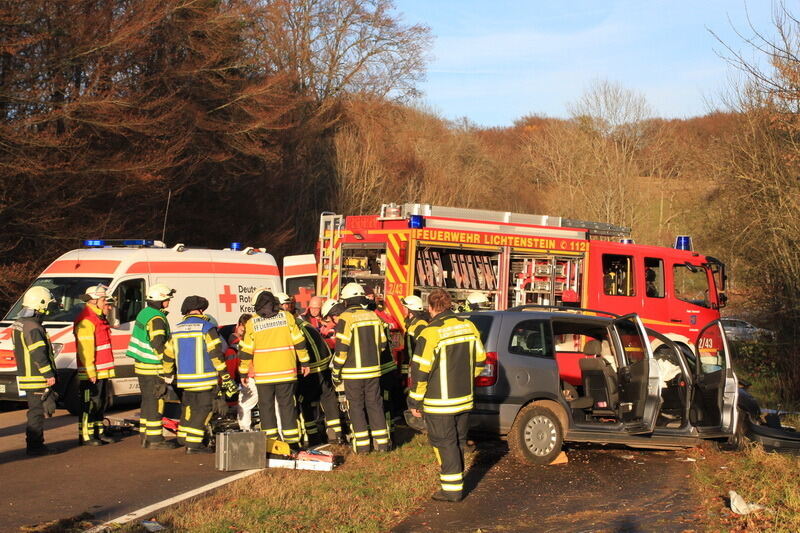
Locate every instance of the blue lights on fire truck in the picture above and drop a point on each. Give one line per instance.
(683, 242)
(416, 222)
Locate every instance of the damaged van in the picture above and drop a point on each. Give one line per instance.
(584, 376)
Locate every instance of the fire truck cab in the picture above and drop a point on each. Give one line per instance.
(519, 259)
(227, 278)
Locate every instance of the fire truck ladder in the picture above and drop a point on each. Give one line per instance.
(593, 229)
(330, 230)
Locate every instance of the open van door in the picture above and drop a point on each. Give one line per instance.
(716, 387)
(300, 278)
(639, 384)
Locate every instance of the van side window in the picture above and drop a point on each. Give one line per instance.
(654, 277)
(130, 299)
(531, 337)
(618, 275)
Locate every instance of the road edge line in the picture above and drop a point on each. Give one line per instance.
(144, 511)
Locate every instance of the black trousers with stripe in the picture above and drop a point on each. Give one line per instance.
(447, 434)
(151, 410)
(94, 402)
(195, 413)
(283, 393)
(314, 391)
(366, 413)
(34, 430)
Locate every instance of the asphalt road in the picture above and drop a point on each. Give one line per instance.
(599, 489)
(107, 481)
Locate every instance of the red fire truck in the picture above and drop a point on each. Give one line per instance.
(519, 259)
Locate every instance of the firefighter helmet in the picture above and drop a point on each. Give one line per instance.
(283, 298)
(352, 290)
(159, 292)
(327, 306)
(413, 302)
(95, 292)
(37, 298)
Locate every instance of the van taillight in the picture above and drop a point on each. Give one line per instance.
(488, 376)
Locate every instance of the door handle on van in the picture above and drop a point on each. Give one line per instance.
(676, 320)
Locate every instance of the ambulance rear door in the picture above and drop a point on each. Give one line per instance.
(300, 278)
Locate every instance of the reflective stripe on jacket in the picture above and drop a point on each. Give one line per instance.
(93, 344)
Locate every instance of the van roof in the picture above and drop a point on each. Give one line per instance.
(117, 261)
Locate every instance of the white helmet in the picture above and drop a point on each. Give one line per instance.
(327, 305)
(352, 290)
(95, 292)
(37, 298)
(477, 298)
(159, 292)
(413, 302)
(283, 298)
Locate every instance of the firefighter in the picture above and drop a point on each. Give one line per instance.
(447, 357)
(330, 311)
(360, 339)
(416, 319)
(272, 345)
(95, 366)
(316, 389)
(148, 340)
(196, 356)
(36, 367)
(475, 302)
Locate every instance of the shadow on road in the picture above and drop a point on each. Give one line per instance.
(487, 454)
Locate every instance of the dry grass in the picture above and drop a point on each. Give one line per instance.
(769, 479)
(367, 493)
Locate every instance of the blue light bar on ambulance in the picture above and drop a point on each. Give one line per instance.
(137, 242)
(626, 241)
(236, 246)
(416, 222)
(683, 242)
(94, 243)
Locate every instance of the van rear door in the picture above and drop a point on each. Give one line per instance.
(300, 278)
(639, 380)
(716, 387)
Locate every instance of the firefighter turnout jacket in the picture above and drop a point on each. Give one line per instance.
(148, 341)
(195, 348)
(318, 351)
(93, 344)
(33, 352)
(448, 356)
(360, 343)
(415, 323)
(272, 345)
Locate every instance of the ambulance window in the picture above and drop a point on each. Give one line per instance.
(531, 337)
(691, 284)
(130, 299)
(654, 277)
(618, 275)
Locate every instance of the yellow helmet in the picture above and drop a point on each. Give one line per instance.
(352, 290)
(37, 298)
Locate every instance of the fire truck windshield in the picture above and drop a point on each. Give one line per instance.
(66, 292)
(691, 284)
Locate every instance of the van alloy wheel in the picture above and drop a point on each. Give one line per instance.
(540, 435)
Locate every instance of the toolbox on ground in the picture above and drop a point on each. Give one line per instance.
(241, 450)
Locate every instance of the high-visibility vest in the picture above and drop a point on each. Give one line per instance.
(103, 357)
(360, 339)
(139, 347)
(195, 369)
(276, 344)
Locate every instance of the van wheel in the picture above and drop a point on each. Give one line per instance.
(71, 398)
(536, 436)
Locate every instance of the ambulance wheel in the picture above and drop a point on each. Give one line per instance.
(536, 435)
(71, 399)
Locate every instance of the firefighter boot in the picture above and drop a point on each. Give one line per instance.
(37, 451)
(442, 496)
(200, 450)
(90, 441)
(162, 444)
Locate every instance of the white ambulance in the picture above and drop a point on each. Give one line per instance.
(227, 278)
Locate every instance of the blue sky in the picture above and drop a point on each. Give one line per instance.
(496, 61)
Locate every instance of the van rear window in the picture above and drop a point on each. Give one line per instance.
(484, 325)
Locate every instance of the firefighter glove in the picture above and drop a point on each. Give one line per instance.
(229, 388)
(49, 399)
(160, 388)
(220, 406)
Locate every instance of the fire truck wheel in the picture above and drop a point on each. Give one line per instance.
(536, 435)
(71, 399)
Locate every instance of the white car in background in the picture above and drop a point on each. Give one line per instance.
(742, 331)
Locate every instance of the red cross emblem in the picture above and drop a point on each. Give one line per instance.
(6, 334)
(303, 296)
(228, 298)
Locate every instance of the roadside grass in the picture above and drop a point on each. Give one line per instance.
(366, 493)
(765, 478)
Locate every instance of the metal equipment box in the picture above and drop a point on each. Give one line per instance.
(241, 450)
